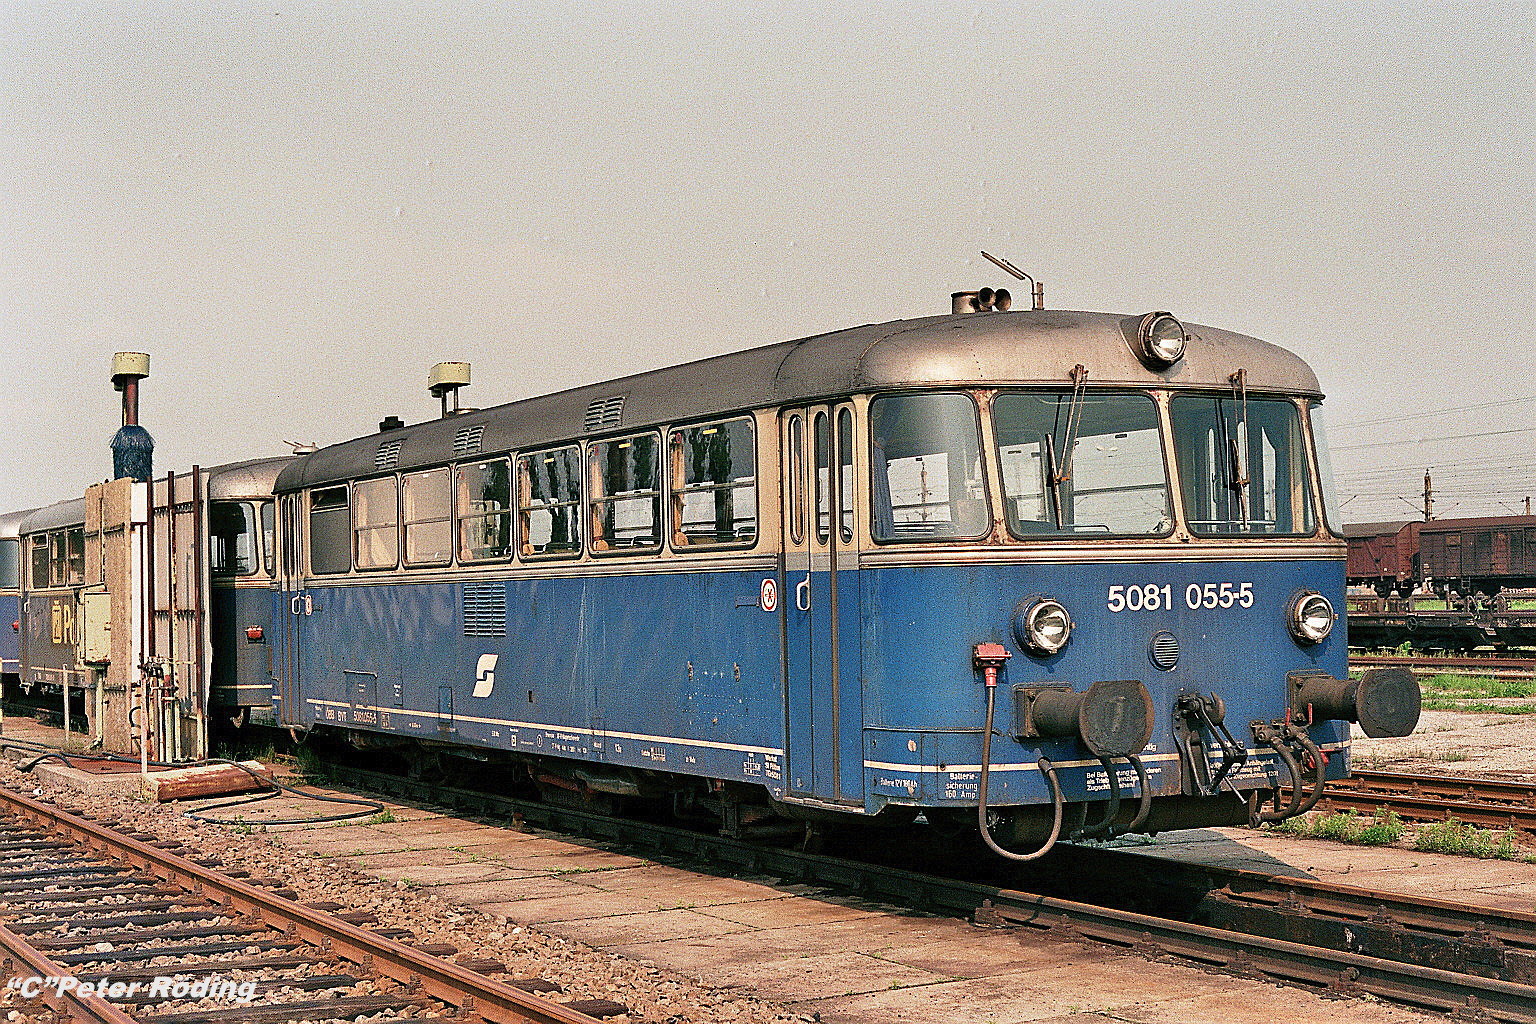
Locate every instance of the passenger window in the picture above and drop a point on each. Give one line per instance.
(10, 564)
(427, 517)
(714, 485)
(626, 494)
(38, 574)
(268, 535)
(57, 559)
(485, 511)
(74, 541)
(797, 479)
(822, 442)
(549, 503)
(845, 475)
(330, 531)
(925, 468)
(376, 523)
(232, 534)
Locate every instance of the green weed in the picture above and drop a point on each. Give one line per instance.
(1347, 826)
(1454, 836)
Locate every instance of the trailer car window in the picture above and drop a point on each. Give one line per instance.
(626, 494)
(268, 535)
(38, 575)
(58, 559)
(549, 503)
(485, 511)
(926, 479)
(330, 531)
(427, 517)
(232, 534)
(714, 484)
(10, 564)
(1113, 481)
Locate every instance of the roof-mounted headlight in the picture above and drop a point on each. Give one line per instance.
(1310, 617)
(1043, 626)
(1161, 339)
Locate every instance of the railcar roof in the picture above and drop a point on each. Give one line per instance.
(10, 522)
(252, 478)
(1025, 347)
(63, 513)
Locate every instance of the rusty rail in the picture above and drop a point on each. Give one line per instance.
(475, 995)
(1487, 803)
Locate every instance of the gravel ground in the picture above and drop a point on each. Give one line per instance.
(1458, 743)
(653, 995)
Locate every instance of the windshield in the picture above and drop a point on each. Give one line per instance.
(1242, 464)
(926, 480)
(1106, 478)
(232, 531)
(1331, 514)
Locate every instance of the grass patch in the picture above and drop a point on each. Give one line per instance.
(1478, 687)
(1450, 691)
(1347, 826)
(1453, 836)
(309, 766)
(1477, 707)
(384, 817)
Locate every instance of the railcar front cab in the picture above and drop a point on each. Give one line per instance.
(1173, 478)
(241, 556)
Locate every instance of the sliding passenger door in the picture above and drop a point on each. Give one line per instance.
(825, 706)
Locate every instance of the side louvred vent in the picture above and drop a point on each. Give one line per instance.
(467, 440)
(388, 456)
(604, 413)
(485, 609)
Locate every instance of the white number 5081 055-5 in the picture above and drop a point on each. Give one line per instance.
(1152, 597)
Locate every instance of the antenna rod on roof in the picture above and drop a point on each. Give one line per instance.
(1009, 267)
(1037, 286)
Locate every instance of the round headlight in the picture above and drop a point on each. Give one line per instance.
(1311, 617)
(1044, 627)
(1162, 339)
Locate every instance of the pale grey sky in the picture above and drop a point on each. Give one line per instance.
(297, 208)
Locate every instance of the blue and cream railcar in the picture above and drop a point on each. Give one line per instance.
(53, 565)
(10, 594)
(241, 556)
(804, 571)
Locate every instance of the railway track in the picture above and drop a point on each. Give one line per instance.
(1487, 803)
(1497, 668)
(1430, 954)
(111, 927)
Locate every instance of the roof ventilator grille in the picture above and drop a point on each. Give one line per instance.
(604, 413)
(388, 456)
(467, 440)
(485, 609)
